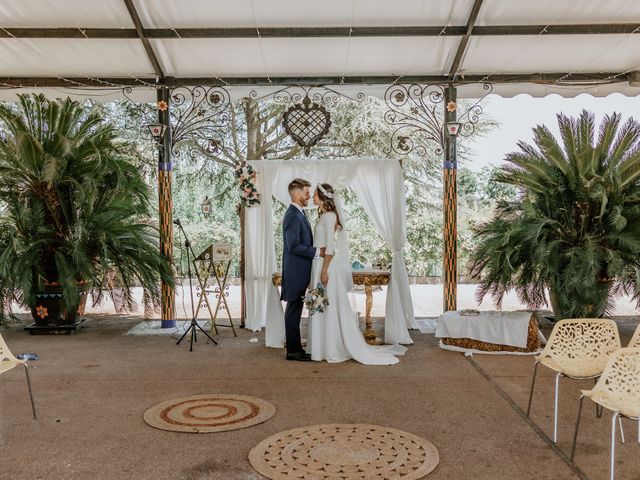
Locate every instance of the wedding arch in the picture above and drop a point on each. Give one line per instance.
(379, 187)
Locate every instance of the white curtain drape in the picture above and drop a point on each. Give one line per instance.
(382, 194)
(262, 299)
(379, 187)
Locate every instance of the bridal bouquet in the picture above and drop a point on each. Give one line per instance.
(316, 300)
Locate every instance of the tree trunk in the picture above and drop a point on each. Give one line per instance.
(253, 128)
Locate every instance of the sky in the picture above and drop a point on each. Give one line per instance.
(518, 115)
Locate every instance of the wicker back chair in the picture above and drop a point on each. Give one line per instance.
(618, 390)
(577, 348)
(8, 361)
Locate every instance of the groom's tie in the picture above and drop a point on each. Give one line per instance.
(304, 214)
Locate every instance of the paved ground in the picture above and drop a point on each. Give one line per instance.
(92, 388)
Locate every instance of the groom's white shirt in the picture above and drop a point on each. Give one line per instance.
(302, 212)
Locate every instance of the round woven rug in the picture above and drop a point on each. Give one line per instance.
(344, 451)
(209, 413)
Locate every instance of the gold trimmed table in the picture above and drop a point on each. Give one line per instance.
(368, 278)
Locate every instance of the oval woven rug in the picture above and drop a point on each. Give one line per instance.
(344, 451)
(209, 413)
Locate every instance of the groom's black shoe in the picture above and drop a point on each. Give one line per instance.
(300, 357)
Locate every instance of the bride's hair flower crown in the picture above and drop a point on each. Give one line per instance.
(324, 192)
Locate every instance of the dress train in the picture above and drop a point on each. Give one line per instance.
(335, 335)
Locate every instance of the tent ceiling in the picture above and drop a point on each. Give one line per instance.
(542, 47)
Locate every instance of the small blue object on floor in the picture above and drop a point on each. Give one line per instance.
(27, 356)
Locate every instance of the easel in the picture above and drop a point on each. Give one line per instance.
(218, 268)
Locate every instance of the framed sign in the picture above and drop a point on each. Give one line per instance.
(221, 251)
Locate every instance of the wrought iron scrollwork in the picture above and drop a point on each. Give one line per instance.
(199, 116)
(413, 110)
(322, 95)
(146, 115)
(471, 116)
(417, 113)
(308, 118)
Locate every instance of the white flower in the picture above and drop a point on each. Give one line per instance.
(316, 299)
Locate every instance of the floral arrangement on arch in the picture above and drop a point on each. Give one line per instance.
(247, 182)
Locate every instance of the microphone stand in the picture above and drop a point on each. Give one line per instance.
(194, 324)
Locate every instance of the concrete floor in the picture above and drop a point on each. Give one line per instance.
(92, 388)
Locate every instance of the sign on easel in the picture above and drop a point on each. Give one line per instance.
(214, 262)
(221, 252)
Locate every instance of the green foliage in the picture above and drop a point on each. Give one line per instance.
(575, 227)
(74, 207)
(480, 189)
(223, 225)
(358, 130)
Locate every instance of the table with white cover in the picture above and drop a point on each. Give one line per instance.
(508, 329)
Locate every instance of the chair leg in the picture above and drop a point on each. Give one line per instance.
(533, 382)
(598, 407)
(575, 433)
(555, 409)
(33, 406)
(621, 430)
(639, 431)
(613, 443)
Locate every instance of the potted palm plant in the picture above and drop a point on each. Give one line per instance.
(574, 230)
(74, 212)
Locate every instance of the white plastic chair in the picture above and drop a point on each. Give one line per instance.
(635, 343)
(8, 361)
(618, 390)
(577, 348)
(635, 340)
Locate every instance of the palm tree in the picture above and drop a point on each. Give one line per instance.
(575, 228)
(73, 208)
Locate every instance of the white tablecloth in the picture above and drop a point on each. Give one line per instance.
(502, 328)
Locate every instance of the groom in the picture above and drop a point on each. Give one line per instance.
(298, 254)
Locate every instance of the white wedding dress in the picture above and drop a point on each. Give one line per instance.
(334, 335)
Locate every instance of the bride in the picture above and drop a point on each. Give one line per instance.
(334, 335)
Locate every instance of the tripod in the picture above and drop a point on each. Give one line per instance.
(194, 324)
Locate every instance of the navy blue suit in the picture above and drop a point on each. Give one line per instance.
(298, 254)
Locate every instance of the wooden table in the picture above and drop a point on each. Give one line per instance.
(368, 279)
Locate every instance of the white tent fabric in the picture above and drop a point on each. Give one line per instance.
(487, 55)
(379, 187)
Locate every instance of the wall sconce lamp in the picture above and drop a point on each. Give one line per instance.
(205, 207)
(453, 128)
(157, 130)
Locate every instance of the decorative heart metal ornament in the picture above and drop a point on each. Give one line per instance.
(306, 122)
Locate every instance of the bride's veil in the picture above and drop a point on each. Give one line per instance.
(342, 242)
